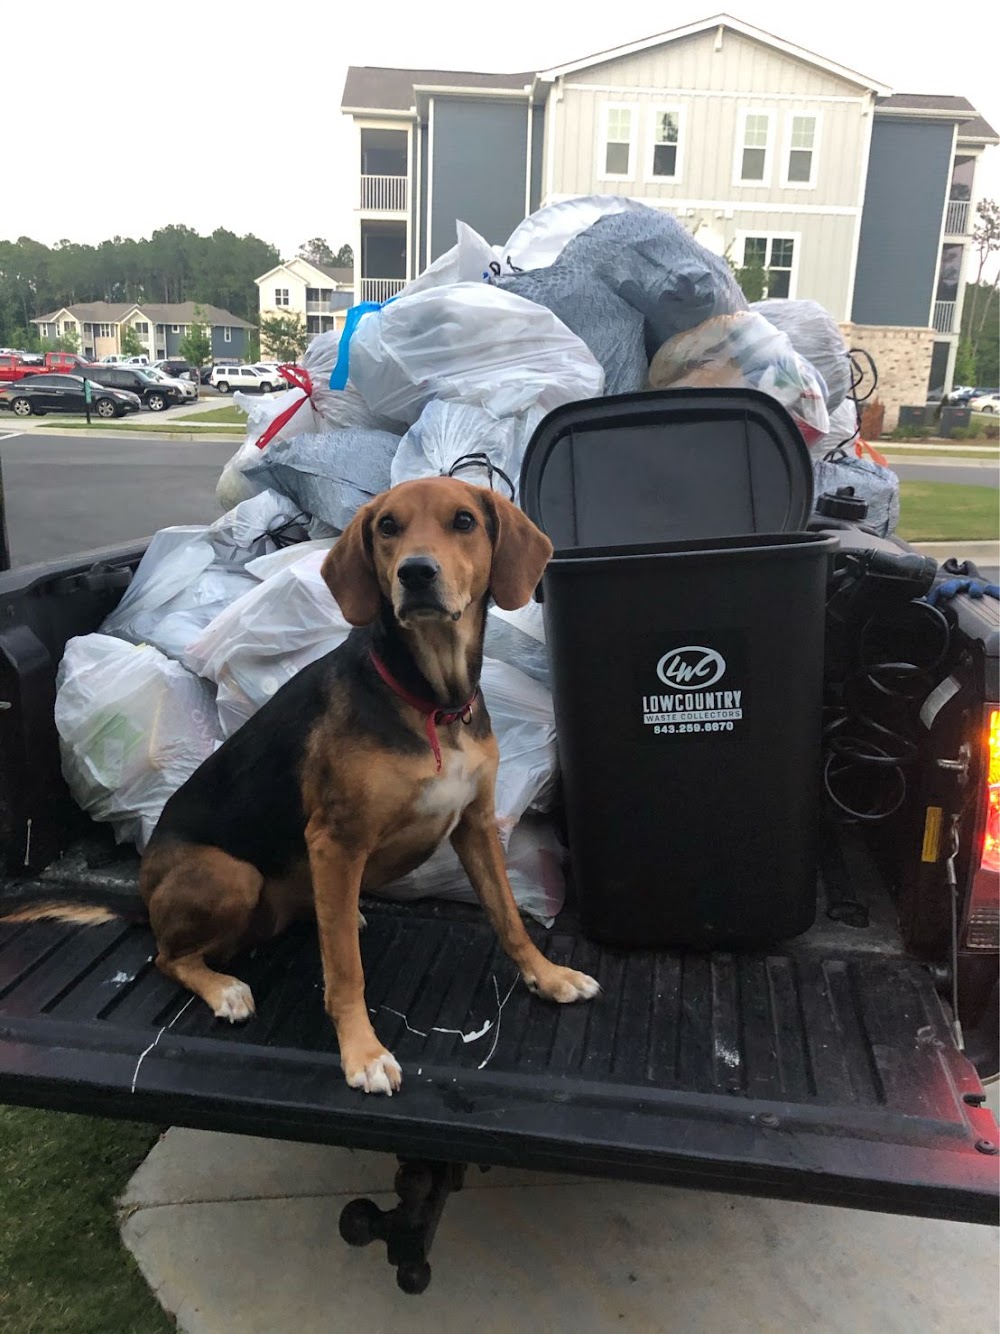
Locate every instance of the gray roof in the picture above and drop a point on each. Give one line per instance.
(384, 89)
(335, 275)
(971, 124)
(90, 312)
(179, 312)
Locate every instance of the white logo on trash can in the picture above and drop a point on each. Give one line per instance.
(692, 665)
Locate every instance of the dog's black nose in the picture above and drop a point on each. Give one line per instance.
(418, 572)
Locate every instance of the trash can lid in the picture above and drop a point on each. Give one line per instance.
(666, 466)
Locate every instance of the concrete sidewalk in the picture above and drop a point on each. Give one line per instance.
(236, 1233)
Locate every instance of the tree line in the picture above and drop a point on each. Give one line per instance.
(175, 264)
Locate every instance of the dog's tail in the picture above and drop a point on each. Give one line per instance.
(86, 910)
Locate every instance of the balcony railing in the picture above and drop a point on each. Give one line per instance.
(320, 307)
(384, 194)
(956, 221)
(381, 289)
(944, 316)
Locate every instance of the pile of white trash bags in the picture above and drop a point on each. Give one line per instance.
(591, 296)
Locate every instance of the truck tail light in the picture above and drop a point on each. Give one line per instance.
(982, 922)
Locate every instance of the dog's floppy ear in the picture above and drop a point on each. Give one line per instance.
(349, 571)
(520, 554)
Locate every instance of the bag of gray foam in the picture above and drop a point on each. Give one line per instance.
(872, 482)
(649, 261)
(330, 475)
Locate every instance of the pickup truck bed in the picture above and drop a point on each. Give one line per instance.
(821, 1071)
(824, 1069)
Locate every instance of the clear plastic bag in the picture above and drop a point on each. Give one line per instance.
(541, 238)
(133, 726)
(815, 335)
(534, 858)
(258, 643)
(518, 638)
(188, 575)
(449, 430)
(744, 350)
(525, 728)
(844, 430)
(472, 342)
(468, 261)
(330, 475)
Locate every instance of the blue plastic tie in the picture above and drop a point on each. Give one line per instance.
(341, 371)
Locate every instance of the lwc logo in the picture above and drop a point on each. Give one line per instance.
(692, 665)
(690, 674)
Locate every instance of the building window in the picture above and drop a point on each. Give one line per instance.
(141, 328)
(281, 296)
(800, 165)
(227, 334)
(776, 256)
(175, 328)
(666, 144)
(69, 327)
(753, 164)
(105, 331)
(617, 160)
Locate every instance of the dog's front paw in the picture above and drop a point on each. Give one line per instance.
(563, 985)
(235, 1002)
(378, 1073)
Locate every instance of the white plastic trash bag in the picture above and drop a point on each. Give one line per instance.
(472, 342)
(449, 430)
(133, 726)
(540, 239)
(188, 575)
(815, 335)
(518, 638)
(525, 728)
(468, 261)
(534, 858)
(258, 643)
(844, 430)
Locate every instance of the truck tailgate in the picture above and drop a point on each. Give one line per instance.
(817, 1075)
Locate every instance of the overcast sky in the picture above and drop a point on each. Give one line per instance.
(229, 114)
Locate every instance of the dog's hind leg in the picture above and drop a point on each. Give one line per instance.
(201, 902)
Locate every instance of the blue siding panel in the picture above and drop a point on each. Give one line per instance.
(537, 152)
(480, 164)
(908, 174)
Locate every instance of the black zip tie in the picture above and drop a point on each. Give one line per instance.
(482, 461)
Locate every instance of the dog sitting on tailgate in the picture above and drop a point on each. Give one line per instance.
(358, 768)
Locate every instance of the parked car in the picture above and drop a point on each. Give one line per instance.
(960, 395)
(273, 372)
(118, 359)
(188, 388)
(228, 378)
(38, 394)
(13, 366)
(987, 401)
(177, 368)
(153, 393)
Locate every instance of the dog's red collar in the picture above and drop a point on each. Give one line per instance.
(433, 715)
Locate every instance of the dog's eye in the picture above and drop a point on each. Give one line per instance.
(388, 526)
(464, 521)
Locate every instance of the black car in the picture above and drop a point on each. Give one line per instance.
(178, 369)
(153, 394)
(39, 394)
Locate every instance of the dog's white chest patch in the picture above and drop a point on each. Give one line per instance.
(446, 795)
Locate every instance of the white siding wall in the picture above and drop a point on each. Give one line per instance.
(713, 91)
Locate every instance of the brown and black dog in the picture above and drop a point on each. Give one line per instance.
(359, 767)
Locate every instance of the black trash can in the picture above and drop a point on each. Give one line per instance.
(686, 670)
(687, 686)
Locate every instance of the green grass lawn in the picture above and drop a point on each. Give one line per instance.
(63, 1269)
(956, 451)
(943, 512)
(230, 413)
(176, 426)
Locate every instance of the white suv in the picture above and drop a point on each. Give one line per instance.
(228, 378)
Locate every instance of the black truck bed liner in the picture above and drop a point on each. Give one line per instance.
(810, 1072)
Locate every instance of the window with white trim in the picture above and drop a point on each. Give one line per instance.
(175, 328)
(281, 296)
(776, 256)
(800, 165)
(142, 328)
(754, 167)
(227, 334)
(666, 164)
(105, 331)
(618, 127)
